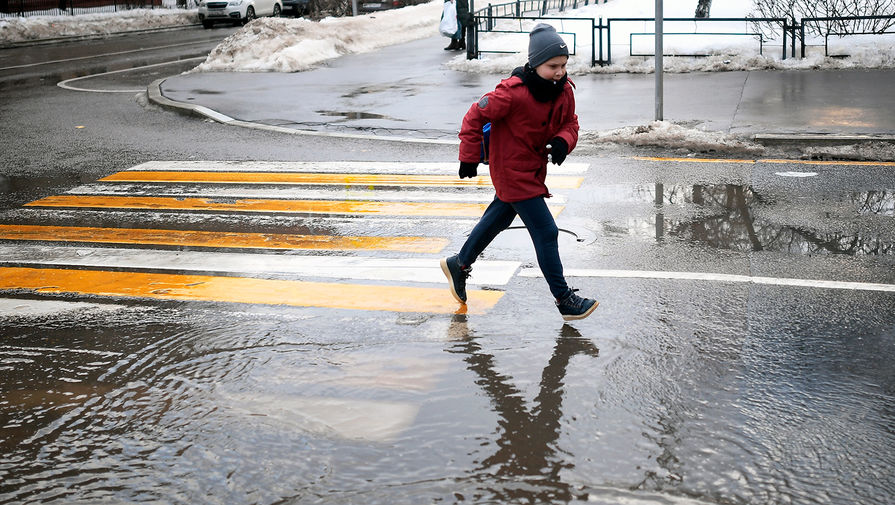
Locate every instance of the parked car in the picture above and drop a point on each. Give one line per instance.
(365, 6)
(298, 7)
(236, 11)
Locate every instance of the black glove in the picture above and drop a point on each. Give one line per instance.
(558, 150)
(468, 169)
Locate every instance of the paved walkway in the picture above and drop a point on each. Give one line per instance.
(406, 90)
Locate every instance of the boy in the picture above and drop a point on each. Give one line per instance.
(532, 114)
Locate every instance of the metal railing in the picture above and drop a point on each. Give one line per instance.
(842, 21)
(792, 32)
(24, 8)
(608, 29)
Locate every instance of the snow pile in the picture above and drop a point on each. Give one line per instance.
(47, 27)
(668, 135)
(290, 45)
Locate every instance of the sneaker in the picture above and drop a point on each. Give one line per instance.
(456, 275)
(574, 307)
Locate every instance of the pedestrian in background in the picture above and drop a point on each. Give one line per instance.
(458, 41)
(532, 115)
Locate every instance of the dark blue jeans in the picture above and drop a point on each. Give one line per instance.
(541, 226)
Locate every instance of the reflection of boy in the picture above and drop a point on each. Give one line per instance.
(532, 115)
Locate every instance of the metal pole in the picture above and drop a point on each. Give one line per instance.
(660, 67)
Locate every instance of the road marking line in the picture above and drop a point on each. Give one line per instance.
(692, 160)
(427, 270)
(702, 276)
(769, 160)
(196, 238)
(42, 351)
(819, 162)
(243, 290)
(480, 195)
(796, 174)
(365, 167)
(117, 53)
(270, 205)
(197, 177)
(65, 84)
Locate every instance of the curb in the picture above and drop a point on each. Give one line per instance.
(155, 95)
(821, 139)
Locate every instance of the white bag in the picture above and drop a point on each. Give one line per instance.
(448, 26)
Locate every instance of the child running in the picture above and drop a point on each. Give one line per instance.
(532, 115)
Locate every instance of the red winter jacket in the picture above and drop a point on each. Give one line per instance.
(521, 128)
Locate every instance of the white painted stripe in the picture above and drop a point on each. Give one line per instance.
(32, 308)
(66, 84)
(426, 270)
(363, 167)
(102, 55)
(796, 174)
(459, 195)
(703, 276)
(334, 225)
(39, 351)
(213, 114)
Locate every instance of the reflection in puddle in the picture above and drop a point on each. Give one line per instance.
(354, 115)
(736, 217)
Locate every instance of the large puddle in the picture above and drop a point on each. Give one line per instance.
(673, 394)
(742, 218)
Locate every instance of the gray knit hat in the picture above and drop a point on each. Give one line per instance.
(544, 43)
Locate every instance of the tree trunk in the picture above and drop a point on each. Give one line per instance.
(702, 9)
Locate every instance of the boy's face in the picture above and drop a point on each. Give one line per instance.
(553, 69)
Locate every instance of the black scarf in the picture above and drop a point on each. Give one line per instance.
(543, 90)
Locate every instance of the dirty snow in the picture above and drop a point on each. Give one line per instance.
(289, 45)
(47, 27)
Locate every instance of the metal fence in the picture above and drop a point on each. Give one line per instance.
(845, 25)
(793, 33)
(23, 8)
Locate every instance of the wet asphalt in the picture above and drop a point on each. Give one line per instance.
(733, 388)
(406, 90)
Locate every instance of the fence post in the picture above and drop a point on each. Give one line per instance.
(472, 34)
(609, 42)
(593, 45)
(785, 30)
(518, 9)
(490, 19)
(801, 34)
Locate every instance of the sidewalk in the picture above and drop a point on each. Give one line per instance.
(406, 91)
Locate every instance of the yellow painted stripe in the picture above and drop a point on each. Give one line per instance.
(820, 162)
(692, 160)
(195, 238)
(243, 290)
(769, 160)
(556, 182)
(269, 205)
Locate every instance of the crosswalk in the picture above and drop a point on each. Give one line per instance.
(339, 235)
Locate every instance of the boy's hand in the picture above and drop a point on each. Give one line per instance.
(558, 150)
(468, 169)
